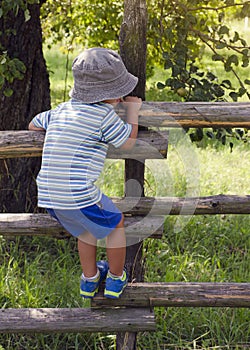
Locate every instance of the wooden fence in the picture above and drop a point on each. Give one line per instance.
(134, 311)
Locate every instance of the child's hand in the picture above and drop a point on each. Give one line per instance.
(132, 104)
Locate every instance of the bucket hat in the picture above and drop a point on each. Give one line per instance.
(100, 74)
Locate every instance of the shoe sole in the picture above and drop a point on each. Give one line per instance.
(88, 295)
(113, 295)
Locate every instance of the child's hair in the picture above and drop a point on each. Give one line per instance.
(100, 74)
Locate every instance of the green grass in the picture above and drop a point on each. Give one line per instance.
(59, 67)
(44, 272)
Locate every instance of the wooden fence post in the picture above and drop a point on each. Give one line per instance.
(133, 51)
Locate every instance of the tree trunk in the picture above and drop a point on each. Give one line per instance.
(133, 52)
(31, 96)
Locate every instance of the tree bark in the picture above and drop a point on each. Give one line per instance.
(133, 52)
(31, 96)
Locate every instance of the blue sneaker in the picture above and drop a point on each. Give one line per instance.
(115, 286)
(88, 289)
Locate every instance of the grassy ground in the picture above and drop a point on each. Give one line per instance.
(39, 272)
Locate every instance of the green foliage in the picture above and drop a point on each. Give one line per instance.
(15, 6)
(224, 136)
(11, 68)
(185, 32)
(178, 35)
(86, 23)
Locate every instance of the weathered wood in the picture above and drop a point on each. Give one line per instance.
(210, 205)
(75, 320)
(15, 144)
(154, 210)
(133, 49)
(181, 294)
(152, 114)
(44, 225)
(196, 114)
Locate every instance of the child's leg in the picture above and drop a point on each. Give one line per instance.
(87, 254)
(116, 249)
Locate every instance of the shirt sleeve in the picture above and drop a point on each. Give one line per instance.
(114, 130)
(41, 120)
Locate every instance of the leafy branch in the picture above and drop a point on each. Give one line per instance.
(228, 61)
(11, 68)
(222, 43)
(217, 8)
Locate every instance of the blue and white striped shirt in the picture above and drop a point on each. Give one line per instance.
(75, 148)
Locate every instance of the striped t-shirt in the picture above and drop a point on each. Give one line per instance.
(75, 148)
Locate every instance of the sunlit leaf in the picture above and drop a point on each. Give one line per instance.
(8, 92)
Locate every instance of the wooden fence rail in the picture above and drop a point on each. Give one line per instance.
(143, 218)
(43, 225)
(76, 320)
(181, 294)
(14, 144)
(115, 315)
(153, 114)
(195, 114)
(210, 205)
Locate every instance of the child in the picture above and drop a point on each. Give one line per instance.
(78, 133)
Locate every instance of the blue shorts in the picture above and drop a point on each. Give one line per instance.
(98, 219)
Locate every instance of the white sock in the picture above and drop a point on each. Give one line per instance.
(90, 279)
(115, 276)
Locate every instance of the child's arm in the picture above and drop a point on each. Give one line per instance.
(40, 122)
(133, 105)
(32, 127)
